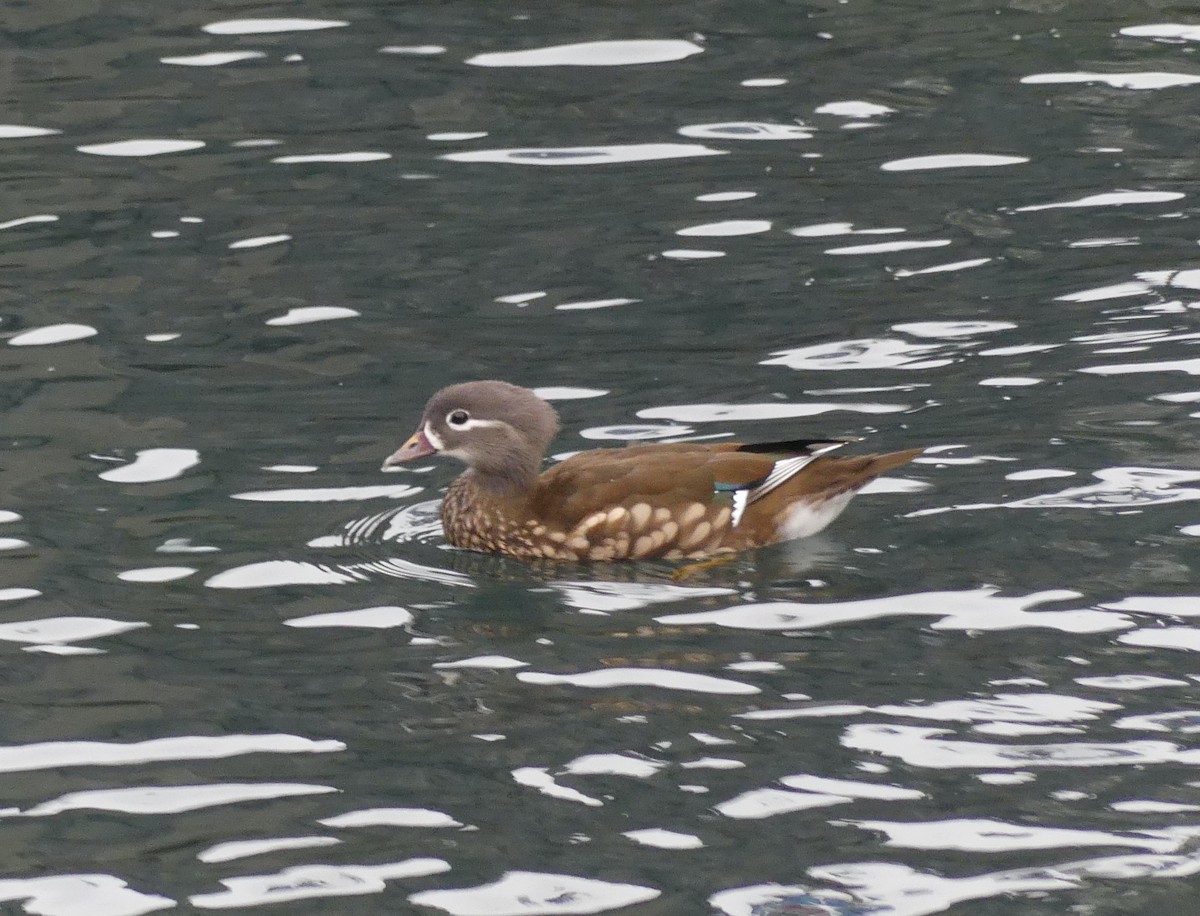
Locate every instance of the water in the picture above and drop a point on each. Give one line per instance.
(240, 252)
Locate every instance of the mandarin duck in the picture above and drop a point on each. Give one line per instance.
(665, 500)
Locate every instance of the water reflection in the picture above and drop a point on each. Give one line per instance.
(243, 247)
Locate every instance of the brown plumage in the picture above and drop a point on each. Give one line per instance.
(680, 500)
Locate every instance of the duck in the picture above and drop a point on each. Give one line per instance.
(671, 501)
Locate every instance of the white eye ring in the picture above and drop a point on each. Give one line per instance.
(458, 418)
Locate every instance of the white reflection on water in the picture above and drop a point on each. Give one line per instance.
(763, 899)
(1164, 638)
(922, 747)
(213, 58)
(865, 353)
(521, 298)
(593, 304)
(587, 155)
(746, 130)
(725, 196)
(485, 662)
(1183, 721)
(658, 838)
(707, 413)
(265, 26)
(390, 817)
(1110, 199)
(80, 895)
(855, 109)
(17, 594)
(309, 314)
(525, 893)
(1168, 30)
(154, 464)
(952, 329)
(139, 148)
(52, 334)
(17, 131)
(1118, 488)
(539, 778)
(55, 754)
(414, 50)
(628, 596)
(727, 228)
(58, 631)
(641, 677)
(951, 161)
(1039, 474)
(1169, 605)
(1003, 714)
(942, 268)
(1147, 806)
(850, 788)
(242, 849)
(371, 618)
(976, 609)
(307, 882)
(757, 804)
(156, 574)
(279, 572)
(28, 220)
(988, 835)
(259, 241)
(824, 230)
(363, 156)
(888, 247)
(899, 890)
(613, 765)
(1188, 366)
(633, 432)
(691, 254)
(567, 393)
(1146, 80)
(169, 799)
(1131, 682)
(1010, 382)
(1006, 707)
(329, 494)
(592, 54)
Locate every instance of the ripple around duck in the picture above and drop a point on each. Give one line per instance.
(417, 523)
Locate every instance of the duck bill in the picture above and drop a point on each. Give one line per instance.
(417, 446)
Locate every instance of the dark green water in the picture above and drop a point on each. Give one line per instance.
(974, 694)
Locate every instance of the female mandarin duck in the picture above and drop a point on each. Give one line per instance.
(674, 501)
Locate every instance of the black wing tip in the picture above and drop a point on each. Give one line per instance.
(796, 446)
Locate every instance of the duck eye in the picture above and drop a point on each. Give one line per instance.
(458, 418)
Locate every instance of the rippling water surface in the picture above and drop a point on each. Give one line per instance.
(242, 244)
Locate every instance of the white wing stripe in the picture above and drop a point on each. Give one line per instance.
(781, 472)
